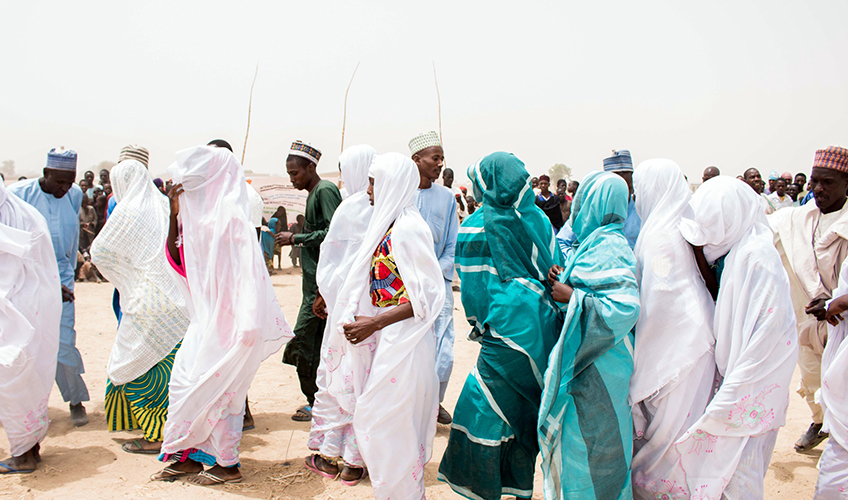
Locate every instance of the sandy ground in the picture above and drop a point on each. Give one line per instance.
(88, 462)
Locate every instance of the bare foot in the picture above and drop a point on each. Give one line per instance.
(217, 475)
(22, 464)
(178, 469)
(351, 473)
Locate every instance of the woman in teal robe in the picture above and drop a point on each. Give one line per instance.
(503, 253)
(585, 424)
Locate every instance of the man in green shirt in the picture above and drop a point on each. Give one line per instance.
(304, 351)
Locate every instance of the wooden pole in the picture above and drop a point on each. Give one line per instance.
(439, 102)
(249, 106)
(344, 119)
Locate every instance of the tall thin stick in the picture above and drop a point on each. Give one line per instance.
(439, 101)
(249, 106)
(344, 119)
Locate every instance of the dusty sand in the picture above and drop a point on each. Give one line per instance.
(88, 462)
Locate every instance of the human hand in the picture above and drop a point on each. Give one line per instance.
(553, 274)
(319, 307)
(561, 292)
(174, 197)
(362, 328)
(817, 308)
(284, 238)
(67, 294)
(838, 306)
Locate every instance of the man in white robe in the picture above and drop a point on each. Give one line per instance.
(58, 200)
(813, 242)
(30, 312)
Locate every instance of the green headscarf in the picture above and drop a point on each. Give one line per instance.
(512, 219)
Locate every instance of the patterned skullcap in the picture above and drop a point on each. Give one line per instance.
(298, 148)
(833, 157)
(773, 175)
(620, 161)
(62, 159)
(134, 152)
(423, 141)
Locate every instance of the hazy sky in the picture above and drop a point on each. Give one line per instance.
(727, 83)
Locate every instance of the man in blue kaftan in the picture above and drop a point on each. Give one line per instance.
(438, 207)
(58, 199)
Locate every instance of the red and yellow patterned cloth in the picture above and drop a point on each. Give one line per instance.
(386, 285)
(833, 157)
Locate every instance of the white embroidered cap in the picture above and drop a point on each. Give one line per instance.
(423, 141)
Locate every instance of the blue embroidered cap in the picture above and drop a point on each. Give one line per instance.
(619, 161)
(62, 159)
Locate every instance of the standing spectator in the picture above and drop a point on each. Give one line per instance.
(88, 224)
(779, 199)
(549, 203)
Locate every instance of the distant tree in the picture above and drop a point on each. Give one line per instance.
(8, 169)
(559, 171)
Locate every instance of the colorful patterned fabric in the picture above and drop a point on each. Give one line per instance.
(298, 148)
(386, 284)
(423, 141)
(493, 443)
(585, 425)
(833, 157)
(142, 403)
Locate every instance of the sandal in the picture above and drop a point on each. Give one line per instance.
(309, 462)
(355, 481)
(12, 470)
(215, 480)
(170, 475)
(135, 446)
(303, 414)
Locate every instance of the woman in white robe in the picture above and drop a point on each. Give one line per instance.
(130, 252)
(727, 451)
(236, 321)
(332, 434)
(30, 313)
(386, 311)
(833, 464)
(674, 361)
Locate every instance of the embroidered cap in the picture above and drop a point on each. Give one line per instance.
(423, 141)
(620, 161)
(298, 148)
(135, 152)
(833, 157)
(62, 159)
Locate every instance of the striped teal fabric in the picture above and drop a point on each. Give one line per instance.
(503, 252)
(142, 403)
(585, 425)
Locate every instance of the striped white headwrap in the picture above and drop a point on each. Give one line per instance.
(135, 152)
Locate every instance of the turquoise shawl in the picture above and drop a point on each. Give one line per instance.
(585, 426)
(503, 252)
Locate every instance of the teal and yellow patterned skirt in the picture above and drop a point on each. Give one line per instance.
(142, 403)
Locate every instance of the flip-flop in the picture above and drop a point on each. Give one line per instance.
(309, 462)
(172, 475)
(215, 479)
(139, 449)
(12, 470)
(304, 410)
(355, 481)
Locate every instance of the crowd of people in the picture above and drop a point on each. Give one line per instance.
(637, 336)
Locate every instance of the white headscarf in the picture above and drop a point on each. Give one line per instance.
(667, 343)
(236, 321)
(349, 224)
(130, 252)
(756, 340)
(30, 312)
(396, 180)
